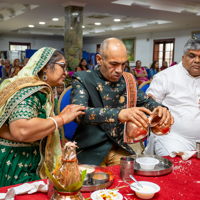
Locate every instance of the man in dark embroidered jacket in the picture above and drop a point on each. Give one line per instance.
(102, 91)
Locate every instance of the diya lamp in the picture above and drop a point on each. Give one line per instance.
(67, 178)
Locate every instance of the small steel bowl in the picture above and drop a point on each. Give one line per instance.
(87, 167)
(98, 178)
(86, 180)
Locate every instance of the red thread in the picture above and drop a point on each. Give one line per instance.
(62, 119)
(69, 160)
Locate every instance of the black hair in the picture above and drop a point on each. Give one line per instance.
(81, 62)
(153, 65)
(137, 61)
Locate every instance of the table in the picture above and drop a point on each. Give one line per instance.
(183, 183)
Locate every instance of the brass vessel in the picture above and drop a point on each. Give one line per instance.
(137, 133)
(58, 195)
(156, 127)
(134, 132)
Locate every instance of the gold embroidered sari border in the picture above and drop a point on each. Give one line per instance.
(17, 144)
(18, 84)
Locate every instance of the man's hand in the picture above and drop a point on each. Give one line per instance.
(135, 114)
(165, 114)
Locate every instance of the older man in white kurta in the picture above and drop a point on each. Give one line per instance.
(178, 88)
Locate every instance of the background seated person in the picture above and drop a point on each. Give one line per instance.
(60, 90)
(14, 70)
(140, 73)
(128, 68)
(5, 70)
(164, 66)
(82, 65)
(103, 91)
(154, 69)
(28, 137)
(178, 88)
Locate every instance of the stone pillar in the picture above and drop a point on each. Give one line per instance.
(73, 35)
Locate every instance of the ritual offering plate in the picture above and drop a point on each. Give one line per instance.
(106, 195)
(90, 186)
(164, 166)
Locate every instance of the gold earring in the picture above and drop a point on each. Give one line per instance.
(44, 77)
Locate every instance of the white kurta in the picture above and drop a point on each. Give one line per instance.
(180, 92)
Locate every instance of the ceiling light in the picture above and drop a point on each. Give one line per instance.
(55, 19)
(30, 26)
(83, 26)
(97, 23)
(117, 20)
(41, 23)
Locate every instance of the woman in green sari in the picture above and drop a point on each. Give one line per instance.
(28, 127)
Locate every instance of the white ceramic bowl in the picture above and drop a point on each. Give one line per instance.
(112, 193)
(147, 163)
(148, 190)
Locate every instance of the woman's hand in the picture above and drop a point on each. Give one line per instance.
(70, 112)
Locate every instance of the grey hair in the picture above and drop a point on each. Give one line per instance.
(57, 55)
(192, 44)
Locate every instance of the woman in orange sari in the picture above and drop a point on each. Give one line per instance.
(14, 70)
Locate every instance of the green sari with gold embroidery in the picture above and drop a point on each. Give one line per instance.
(25, 96)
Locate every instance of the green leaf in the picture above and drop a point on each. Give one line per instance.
(83, 175)
(56, 184)
(74, 187)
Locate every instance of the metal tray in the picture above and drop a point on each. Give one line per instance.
(91, 188)
(165, 166)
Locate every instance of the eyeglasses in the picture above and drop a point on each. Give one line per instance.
(63, 65)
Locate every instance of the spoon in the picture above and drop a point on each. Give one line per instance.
(136, 181)
(130, 185)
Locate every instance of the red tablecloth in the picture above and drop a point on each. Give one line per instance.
(182, 183)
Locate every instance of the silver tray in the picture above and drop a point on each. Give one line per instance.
(91, 188)
(165, 166)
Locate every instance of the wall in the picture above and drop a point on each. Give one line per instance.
(36, 41)
(144, 47)
(144, 44)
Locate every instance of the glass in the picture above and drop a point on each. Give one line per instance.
(160, 62)
(160, 47)
(63, 65)
(167, 55)
(18, 47)
(160, 55)
(167, 47)
(126, 168)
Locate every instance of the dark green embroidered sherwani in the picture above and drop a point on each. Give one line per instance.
(99, 128)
